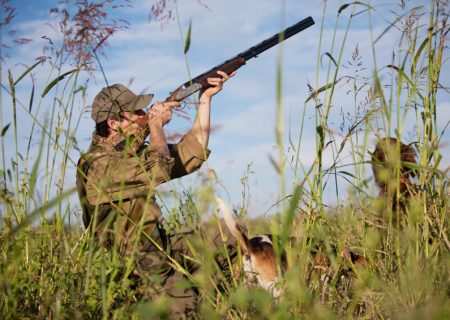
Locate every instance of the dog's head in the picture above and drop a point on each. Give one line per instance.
(385, 157)
(259, 265)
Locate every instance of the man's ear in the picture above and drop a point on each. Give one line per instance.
(112, 123)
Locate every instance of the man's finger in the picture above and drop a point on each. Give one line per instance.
(223, 74)
(215, 79)
(172, 104)
(226, 76)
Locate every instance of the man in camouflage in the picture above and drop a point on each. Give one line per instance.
(117, 185)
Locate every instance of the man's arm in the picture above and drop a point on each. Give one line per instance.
(202, 124)
(160, 114)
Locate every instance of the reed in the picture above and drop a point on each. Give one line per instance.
(51, 268)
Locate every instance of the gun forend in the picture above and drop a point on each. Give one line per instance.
(200, 82)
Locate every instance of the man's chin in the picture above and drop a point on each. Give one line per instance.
(131, 132)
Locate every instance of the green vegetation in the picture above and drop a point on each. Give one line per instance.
(49, 267)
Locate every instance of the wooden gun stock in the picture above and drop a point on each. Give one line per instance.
(201, 82)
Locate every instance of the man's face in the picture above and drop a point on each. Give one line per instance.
(131, 117)
(128, 122)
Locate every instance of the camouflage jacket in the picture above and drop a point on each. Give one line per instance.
(111, 182)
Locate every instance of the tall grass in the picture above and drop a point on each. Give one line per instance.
(51, 268)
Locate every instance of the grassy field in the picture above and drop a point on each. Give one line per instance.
(51, 269)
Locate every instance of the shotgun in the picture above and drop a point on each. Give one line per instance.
(200, 82)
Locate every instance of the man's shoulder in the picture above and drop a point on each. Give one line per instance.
(96, 154)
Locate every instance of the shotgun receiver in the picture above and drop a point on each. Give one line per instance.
(238, 61)
(200, 82)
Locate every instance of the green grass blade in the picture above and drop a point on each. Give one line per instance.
(395, 21)
(5, 129)
(289, 215)
(321, 89)
(56, 80)
(31, 99)
(417, 55)
(403, 74)
(35, 169)
(346, 5)
(187, 43)
(27, 71)
(331, 58)
(50, 204)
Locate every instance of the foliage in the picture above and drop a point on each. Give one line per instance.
(50, 268)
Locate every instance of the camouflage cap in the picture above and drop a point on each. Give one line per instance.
(116, 98)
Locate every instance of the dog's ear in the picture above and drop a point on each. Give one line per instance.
(239, 231)
(408, 154)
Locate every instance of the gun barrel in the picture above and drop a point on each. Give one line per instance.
(276, 39)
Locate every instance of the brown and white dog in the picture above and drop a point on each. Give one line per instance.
(260, 267)
(259, 261)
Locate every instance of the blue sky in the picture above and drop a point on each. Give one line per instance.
(151, 59)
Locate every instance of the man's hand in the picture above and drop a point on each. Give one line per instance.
(161, 113)
(202, 124)
(216, 84)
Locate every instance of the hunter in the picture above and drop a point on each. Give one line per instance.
(118, 175)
